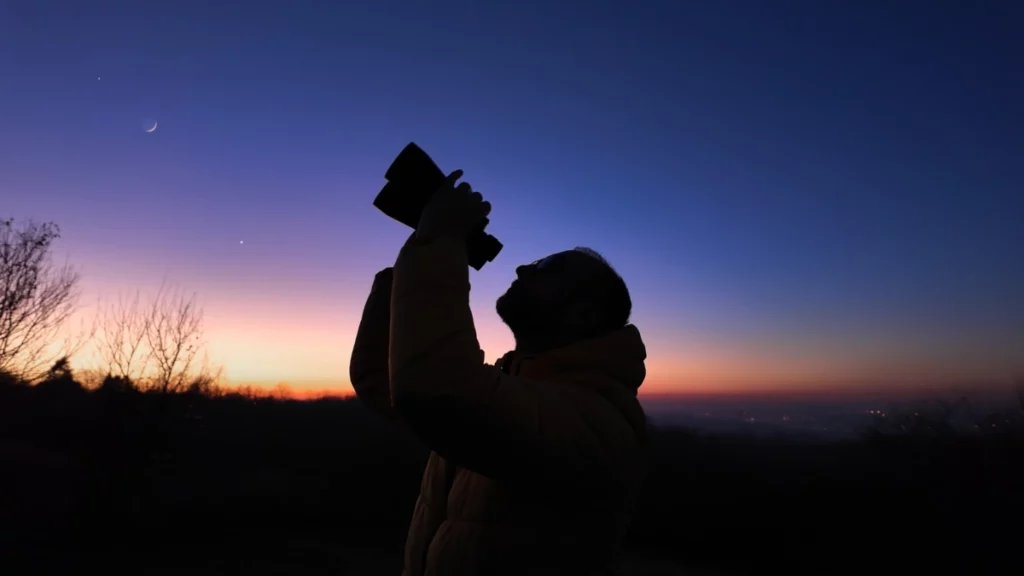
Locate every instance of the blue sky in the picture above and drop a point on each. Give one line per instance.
(821, 191)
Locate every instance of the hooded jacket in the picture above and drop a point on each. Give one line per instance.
(535, 461)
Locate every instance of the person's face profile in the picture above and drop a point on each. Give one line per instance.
(545, 285)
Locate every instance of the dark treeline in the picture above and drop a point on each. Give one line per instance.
(206, 482)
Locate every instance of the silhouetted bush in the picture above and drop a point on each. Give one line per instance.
(9, 380)
(153, 483)
(116, 384)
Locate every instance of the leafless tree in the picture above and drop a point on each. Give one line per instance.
(157, 343)
(282, 392)
(206, 380)
(37, 299)
(123, 346)
(174, 331)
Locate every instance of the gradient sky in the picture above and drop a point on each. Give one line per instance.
(813, 193)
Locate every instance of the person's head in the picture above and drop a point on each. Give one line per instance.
(564, 298)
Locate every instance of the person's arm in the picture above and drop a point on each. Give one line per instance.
(368, 367)
(469, 412)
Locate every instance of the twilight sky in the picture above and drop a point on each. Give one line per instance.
(797, 193)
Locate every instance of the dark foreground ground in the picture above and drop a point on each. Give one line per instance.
(125, 482)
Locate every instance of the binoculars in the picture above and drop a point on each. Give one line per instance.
(412, 180)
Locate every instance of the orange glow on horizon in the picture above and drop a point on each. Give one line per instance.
(265, 332)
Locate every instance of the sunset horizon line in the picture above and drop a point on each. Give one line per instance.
(795, 391)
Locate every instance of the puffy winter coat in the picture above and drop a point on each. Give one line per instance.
(536, 461)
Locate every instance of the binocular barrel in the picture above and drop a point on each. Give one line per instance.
(413, 178)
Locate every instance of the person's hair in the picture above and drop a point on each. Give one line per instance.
(611, 291)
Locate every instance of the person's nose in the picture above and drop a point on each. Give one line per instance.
(524, 270)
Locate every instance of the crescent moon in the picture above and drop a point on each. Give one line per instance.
(153, 127)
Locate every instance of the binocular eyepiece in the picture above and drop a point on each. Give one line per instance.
(413, 178)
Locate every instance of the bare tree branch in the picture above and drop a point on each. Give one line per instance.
(36, 299)
(156, 342)
(174, 333)
(123, 346)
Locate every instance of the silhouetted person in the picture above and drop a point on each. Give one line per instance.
(535, 461)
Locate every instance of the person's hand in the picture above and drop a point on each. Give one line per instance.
(453, 211)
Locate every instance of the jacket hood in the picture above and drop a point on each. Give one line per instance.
(612, 364)
(618, 355)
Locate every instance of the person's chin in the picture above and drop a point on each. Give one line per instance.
(506, 305)
(501, 306)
